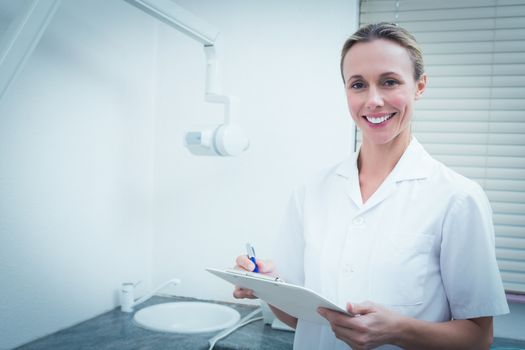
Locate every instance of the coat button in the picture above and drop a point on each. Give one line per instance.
(358, 220)
(347, 268)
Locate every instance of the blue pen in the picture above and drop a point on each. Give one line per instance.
(251, 255)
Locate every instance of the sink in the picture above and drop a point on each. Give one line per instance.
(186, 317)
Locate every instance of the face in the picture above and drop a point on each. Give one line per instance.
(380, 90)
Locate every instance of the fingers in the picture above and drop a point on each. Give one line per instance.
(243, 262)
(360, 309)
(336, 318)
(241, 293)
(347, 328)
(265, 266)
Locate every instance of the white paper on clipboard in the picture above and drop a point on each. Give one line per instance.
(295, 300)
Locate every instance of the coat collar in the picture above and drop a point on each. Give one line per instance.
(415, 163)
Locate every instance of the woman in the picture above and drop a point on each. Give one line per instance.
(403, 241)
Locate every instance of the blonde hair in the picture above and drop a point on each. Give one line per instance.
(387, 31)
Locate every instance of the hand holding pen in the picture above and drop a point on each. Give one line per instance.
(250, 263)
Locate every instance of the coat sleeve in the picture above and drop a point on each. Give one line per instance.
(468, 260)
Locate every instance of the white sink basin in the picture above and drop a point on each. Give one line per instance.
(186, 317)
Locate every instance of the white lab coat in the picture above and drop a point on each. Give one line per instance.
(422, 245)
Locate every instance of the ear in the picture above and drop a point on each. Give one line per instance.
(421, 85)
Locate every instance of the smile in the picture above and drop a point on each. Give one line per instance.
(379, 120)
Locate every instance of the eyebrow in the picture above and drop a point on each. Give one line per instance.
(359, 76)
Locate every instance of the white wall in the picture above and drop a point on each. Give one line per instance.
(282, 59)
(76, 170)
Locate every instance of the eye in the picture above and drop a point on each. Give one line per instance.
(357, 85)
(390, 82)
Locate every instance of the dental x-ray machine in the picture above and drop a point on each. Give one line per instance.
(24, 32)
(227, 139)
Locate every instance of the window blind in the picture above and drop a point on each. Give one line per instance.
(472, 115)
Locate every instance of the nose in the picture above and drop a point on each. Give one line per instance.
(374, 98)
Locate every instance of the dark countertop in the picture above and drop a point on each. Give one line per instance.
(115, 330)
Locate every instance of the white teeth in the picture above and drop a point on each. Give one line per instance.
(380, 119)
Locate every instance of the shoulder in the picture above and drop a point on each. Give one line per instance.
(322, 185)
(439, 176)
(462, 191)
(324, 177)
(457, 183)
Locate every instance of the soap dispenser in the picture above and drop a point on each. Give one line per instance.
(127, 298)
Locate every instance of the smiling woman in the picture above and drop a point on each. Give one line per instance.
(391, 233)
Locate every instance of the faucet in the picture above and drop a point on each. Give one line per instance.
(127, 300)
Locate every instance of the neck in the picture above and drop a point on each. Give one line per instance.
(381, 159)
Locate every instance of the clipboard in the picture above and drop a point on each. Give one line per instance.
(295, 300)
